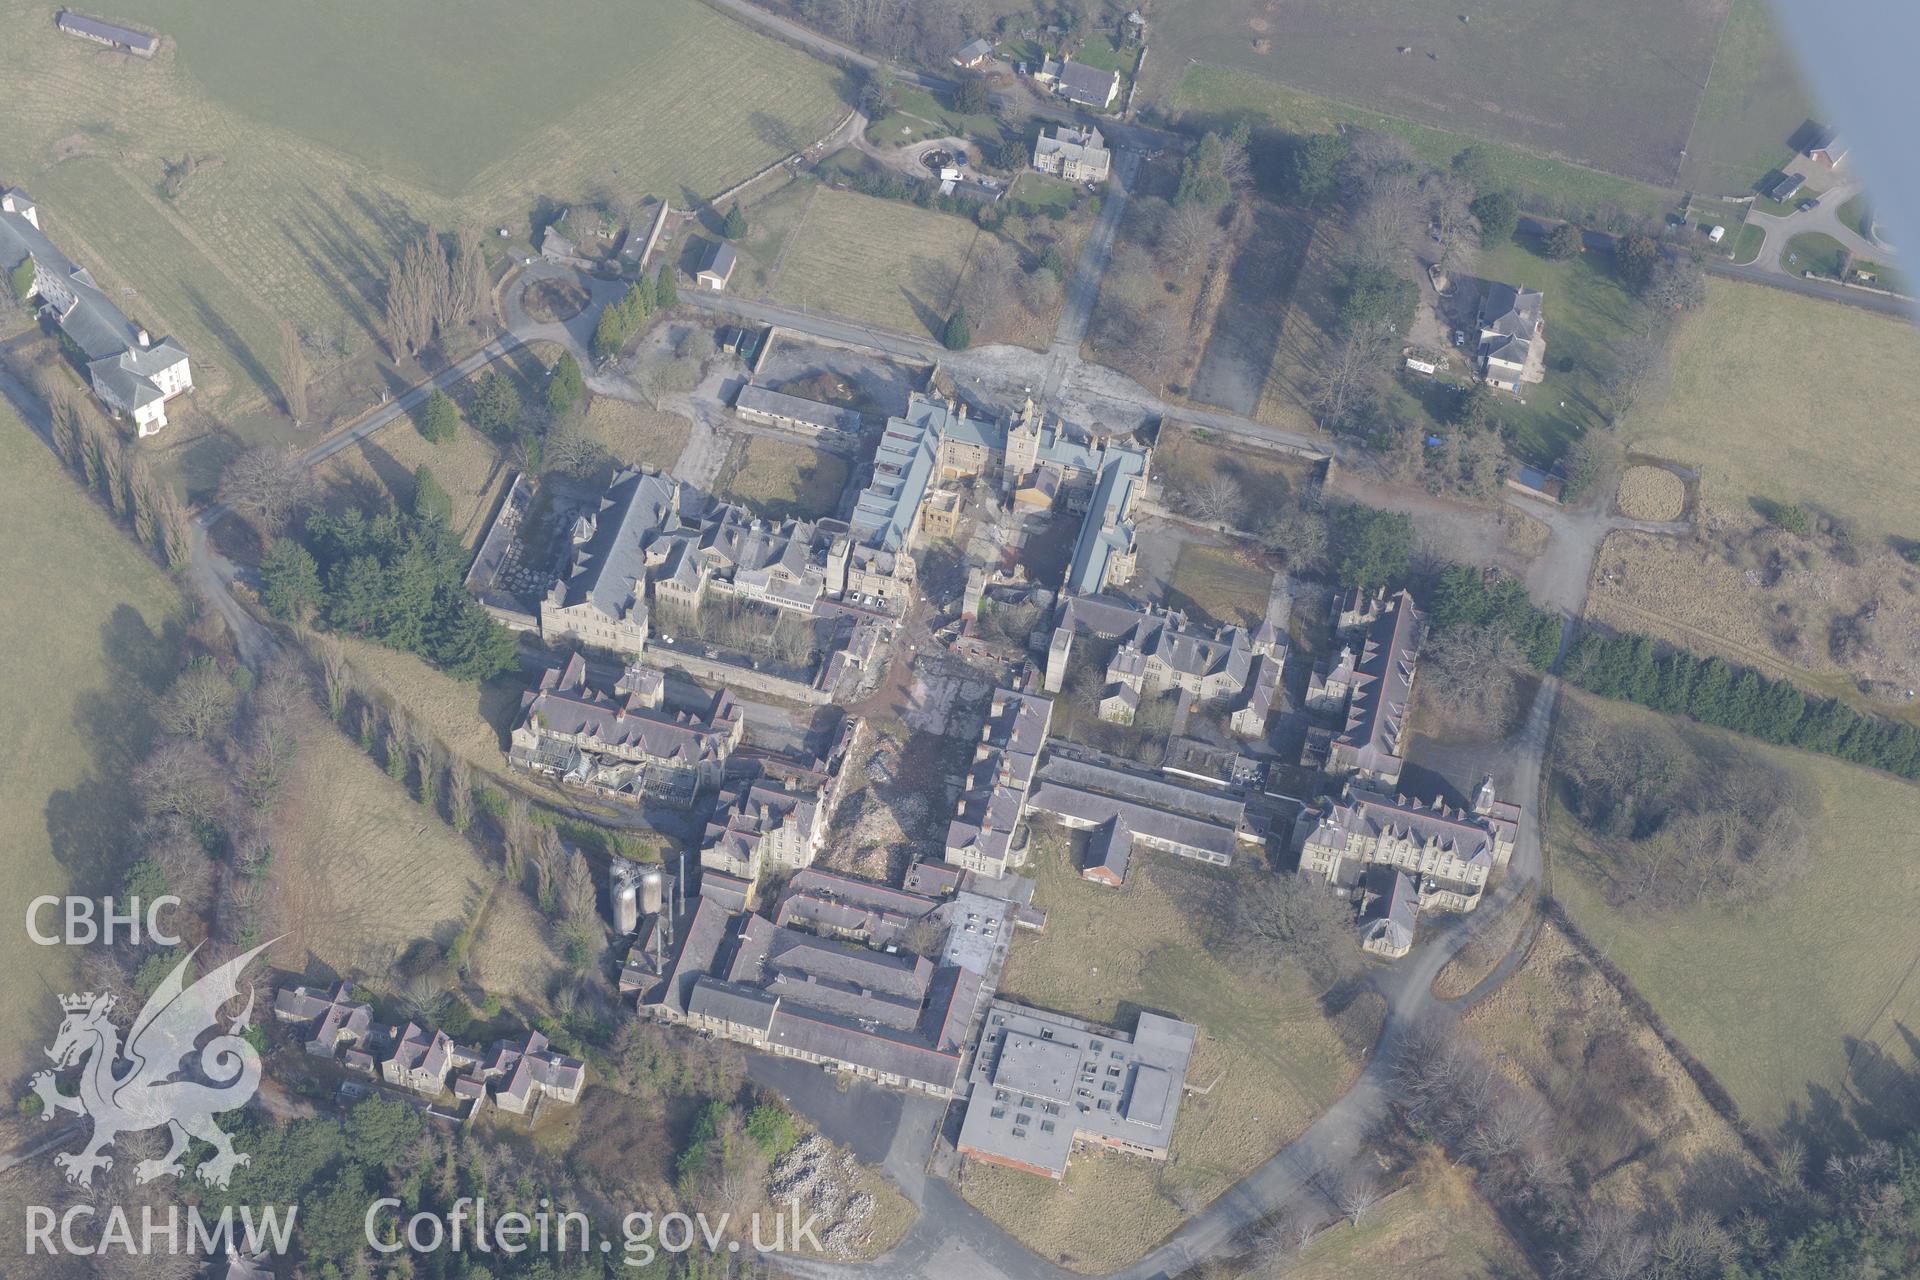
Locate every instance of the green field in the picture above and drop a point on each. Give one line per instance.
(1609, 86)
(328, 134)
(1795, 399)
(1752, 105)
(1551, 185)
(1817, 252)
(1777, 998)
(83, 608)
(448, 93)
(882, 261)
(1587, 313)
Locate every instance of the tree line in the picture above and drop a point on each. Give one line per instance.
(435, 289)
(120, 476)
(1636, 668)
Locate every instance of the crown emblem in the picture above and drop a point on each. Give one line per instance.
(84, 1001)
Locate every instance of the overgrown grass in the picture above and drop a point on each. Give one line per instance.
(1435, 1227)
(779, 480)
(1219, 586)
(1794, 399)
(1269, 1056)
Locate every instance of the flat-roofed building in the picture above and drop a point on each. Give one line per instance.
(1044, 1083)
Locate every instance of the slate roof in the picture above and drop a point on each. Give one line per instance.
(117, 363)
(778, 404)
(1011, 740)
(622, 725)
(893, 1013)
(1094, 809)
(1360, 815)
(1187, 647)
(1089, 86)
(903, 465)
(81, 24)
(1392, 904)
(648, 526)
(718, 259)
(1784, 187)
(1383, 684)
(1105, 532)
(1074, 143)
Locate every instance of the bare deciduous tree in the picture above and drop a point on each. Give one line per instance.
(181, 778)
(1473, 675)
(459, 793)
(1218, 498)
(335, 674)
(201, 702)
(1359, 1192)
(268, 484)
(1189, 236)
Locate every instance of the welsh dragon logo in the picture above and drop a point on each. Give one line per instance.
(144, 1084)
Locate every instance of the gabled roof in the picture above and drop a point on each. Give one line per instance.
(718, 259)
(1085, 84)
(1383, 684)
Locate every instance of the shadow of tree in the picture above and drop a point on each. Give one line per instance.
(90, 824)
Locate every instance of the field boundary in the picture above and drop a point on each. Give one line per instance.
(1711, 1090)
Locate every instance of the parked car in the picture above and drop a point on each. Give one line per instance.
(1809, 204)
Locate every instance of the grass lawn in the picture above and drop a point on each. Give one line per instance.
(1587, 311)
(1435, 1227)
(1269, 1054)
(771, 221)
(1817, 252)
(1216, 584)
(1853, 214)
(1102, 50)
(1036, 193)
(1746, 246)
(1794, 399)
(1775, 998)
(1752, 105)
(919, 115)
(83, 608)
(780, 480)
(882, 261)
(328, 134)
(1553, 185)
